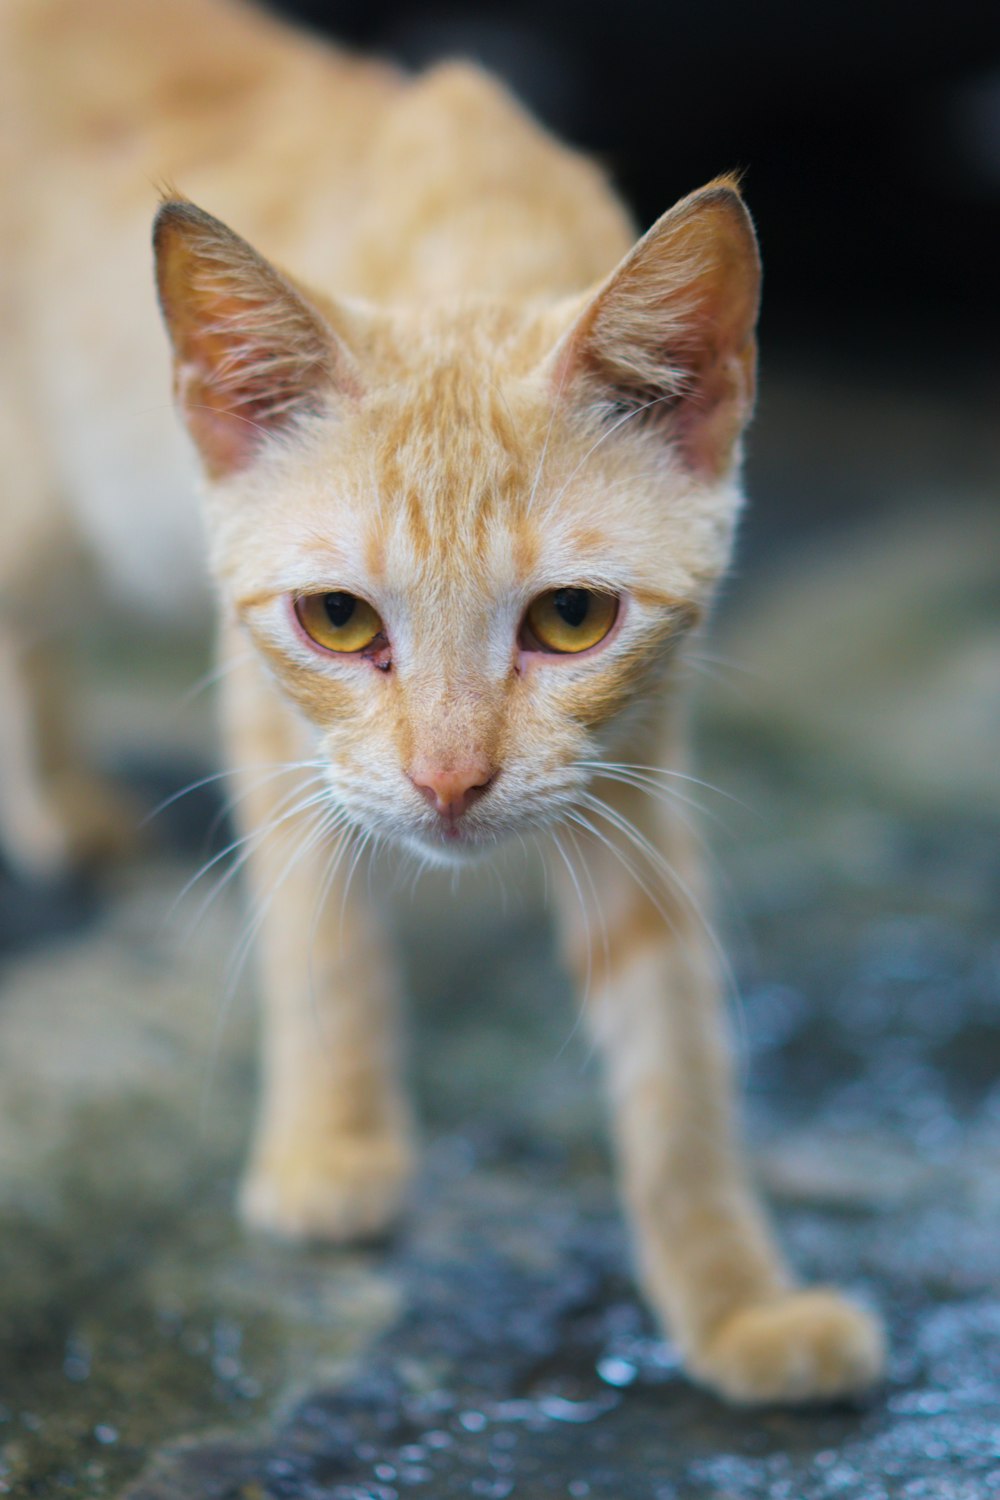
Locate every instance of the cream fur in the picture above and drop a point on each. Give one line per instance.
(463, 388)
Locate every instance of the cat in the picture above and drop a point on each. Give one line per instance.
(469, 471)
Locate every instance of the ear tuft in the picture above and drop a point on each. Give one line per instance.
(672, 329)
(251, 354)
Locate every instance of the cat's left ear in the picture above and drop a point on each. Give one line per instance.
(672, 330)
(251, 351)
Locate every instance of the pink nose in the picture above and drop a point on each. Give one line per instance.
(452, 792)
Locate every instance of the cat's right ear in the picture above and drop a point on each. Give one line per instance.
(251, 354)
(671, 333)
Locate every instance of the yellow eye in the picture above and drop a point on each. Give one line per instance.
(338, 621)
(568, 620)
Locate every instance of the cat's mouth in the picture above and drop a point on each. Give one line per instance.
(456, 841)
(452, 841)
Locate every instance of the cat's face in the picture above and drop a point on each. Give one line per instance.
(457, 540)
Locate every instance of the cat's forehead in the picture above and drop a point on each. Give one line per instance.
(452, 455)
(470, 480)
(458, 418)
(460, 475)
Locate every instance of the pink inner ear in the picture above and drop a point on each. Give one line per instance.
(250, 369)
(251, 352)
(226, 439)
(675, 324)
(713, 417)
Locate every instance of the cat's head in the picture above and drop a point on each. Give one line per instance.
(467, 539)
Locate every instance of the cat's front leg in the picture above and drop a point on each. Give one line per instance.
(705, 1251)
(333, 1146)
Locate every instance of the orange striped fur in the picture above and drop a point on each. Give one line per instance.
(427, 367)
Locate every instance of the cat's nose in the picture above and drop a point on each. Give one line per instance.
(452, 791)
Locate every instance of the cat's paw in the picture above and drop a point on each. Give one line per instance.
(804, 1346)
(349, 1192)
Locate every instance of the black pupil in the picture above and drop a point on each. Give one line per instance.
(572, 605)
(339, 608)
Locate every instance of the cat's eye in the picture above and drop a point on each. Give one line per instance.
(338, 621)
(569, 620)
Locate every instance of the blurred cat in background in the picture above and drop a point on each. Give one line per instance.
(469, 464)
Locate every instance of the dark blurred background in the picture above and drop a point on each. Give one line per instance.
(869, 136)
(869, 131)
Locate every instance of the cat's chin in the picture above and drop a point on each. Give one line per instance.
(449, 849)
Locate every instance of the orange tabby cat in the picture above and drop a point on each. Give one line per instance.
(470, 473)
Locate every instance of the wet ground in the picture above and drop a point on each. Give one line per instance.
(497, 1346)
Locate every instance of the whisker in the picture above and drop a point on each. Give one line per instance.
(333, 863)
(662, 865)
(323, 825)
(275, 767)
(214, 674)
(726, 663)
(605, 947)
(247, 843)
(237, 796)
(670, 796)
(581, 819)
(605, 943)
(609, 432)
(359, 850)
(654, 856)
(241, 951)
(583, 910)
(623, 765)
